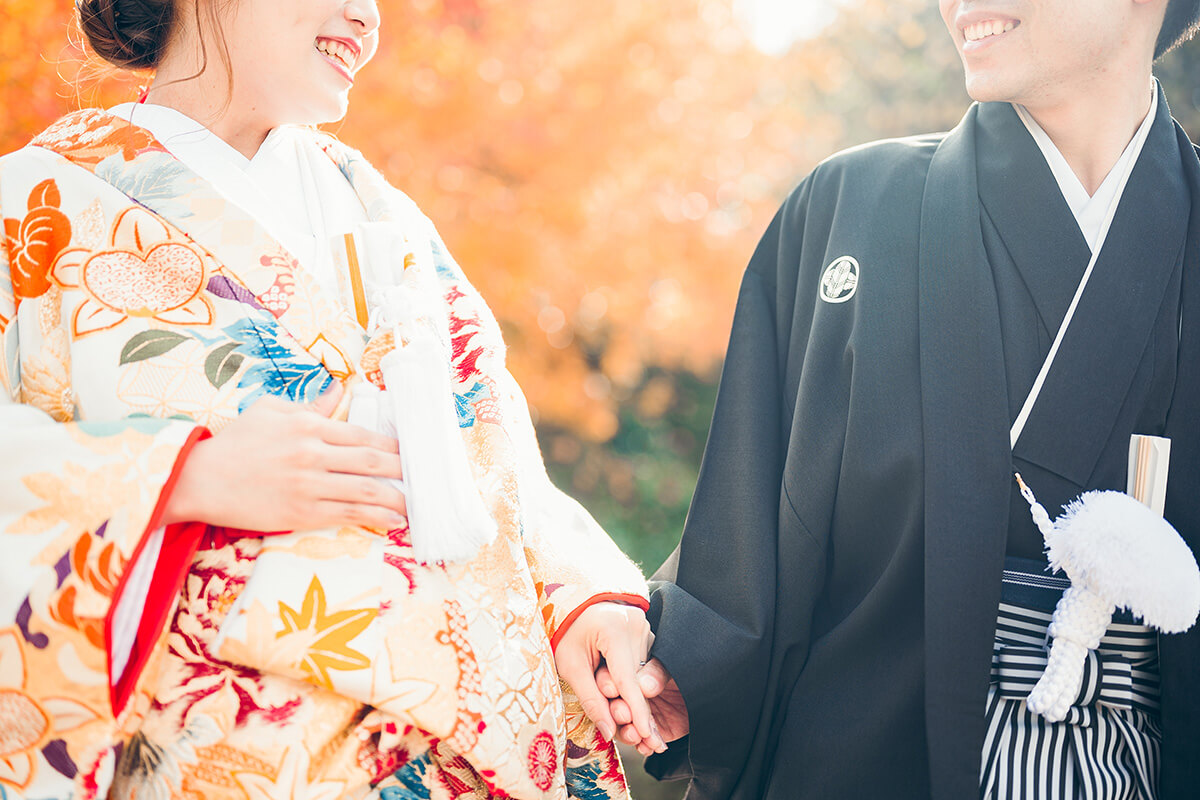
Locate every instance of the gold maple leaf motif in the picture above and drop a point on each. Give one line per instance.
(291, 782)
(332, 632)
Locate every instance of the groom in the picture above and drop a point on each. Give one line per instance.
(826, 628)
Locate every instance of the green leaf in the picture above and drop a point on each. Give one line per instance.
(222, 364)
(149, 344)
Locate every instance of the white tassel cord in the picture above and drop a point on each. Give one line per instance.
(446, 516)
(1040, 517)
(367, 411)
(447, 519)
(1117, 553)
(1080, 620)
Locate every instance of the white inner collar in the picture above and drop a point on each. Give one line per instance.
(290, 186)
(1089, 210)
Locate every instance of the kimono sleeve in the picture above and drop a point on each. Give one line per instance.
(746, 568)
(573, 561)
(87, 574)
(1180, 653)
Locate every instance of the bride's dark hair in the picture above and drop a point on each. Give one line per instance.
(130, 34)
(133, 34)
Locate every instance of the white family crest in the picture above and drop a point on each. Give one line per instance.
(839, 282)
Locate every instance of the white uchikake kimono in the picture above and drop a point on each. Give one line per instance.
(144, 302)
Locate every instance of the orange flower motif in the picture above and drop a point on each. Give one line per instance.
(100, 575)
(35, 241)
(62, 609)
(29, 722)
(92, 135)
(148, 270)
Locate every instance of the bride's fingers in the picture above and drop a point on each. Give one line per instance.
(327, 403)
(331, 512)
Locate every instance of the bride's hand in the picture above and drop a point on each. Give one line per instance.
(283, 466)
(618, 636)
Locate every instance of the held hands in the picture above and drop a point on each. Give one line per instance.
(663, 697)
(612, 638)
(283, 466)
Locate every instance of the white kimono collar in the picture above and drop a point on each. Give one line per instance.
(1088, 209)
(290, 186)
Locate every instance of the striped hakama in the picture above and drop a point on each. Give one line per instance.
(1108, 746)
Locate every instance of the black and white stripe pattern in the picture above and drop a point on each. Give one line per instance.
(1108, 746)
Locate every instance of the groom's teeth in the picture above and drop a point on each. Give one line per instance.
(990, 27)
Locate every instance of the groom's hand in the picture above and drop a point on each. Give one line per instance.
(662, 695)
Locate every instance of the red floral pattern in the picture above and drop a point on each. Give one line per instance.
(543, 761)
(278, 297)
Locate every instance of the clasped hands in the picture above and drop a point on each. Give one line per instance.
(308, 470)
(601, 658)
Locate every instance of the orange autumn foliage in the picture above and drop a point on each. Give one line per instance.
(592, 166)
(600, 170)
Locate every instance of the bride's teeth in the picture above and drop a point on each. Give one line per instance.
(338, 51)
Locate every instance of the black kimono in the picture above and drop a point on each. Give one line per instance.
(830, 612)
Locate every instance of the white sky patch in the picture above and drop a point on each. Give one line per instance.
(774, 25)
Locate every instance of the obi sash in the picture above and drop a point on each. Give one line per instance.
(1108, 746)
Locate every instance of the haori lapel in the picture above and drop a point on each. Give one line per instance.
(967, 462)
(1183, 420)
(1019, 193)
(1087, 385)
(250, 266)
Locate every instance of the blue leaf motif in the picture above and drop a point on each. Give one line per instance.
(344, 164)
(281, 371)
(156, 180)
(584, 782)
(258, 339)
(300, 383)
(412, 781)
(445, 266)
(464, 403)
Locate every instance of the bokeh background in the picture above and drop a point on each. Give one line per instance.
(602, 171)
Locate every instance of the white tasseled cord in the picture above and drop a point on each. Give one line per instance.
(1080, 619)
(446, 515)
(447, 519)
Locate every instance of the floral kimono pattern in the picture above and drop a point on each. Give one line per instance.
(140, 310)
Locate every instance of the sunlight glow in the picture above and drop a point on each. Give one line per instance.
(775, 25)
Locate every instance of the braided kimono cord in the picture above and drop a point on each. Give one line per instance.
(1117, 552)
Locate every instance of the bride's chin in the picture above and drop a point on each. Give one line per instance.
(322, 114)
